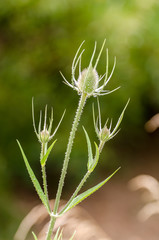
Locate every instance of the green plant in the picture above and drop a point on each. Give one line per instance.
(87, 85)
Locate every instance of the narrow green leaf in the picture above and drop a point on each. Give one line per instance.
(35, 237)
(87, 193)
(73, 235)
(90, 155)
(120, 119)
(34, 179)
(44, 159)
(95, 161)
(60, 236)
(57, 233)
(95, 122)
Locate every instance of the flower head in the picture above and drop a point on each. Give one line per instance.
(105, 134)
(88, 81)
(44, 135)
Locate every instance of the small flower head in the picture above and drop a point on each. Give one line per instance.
(44, 135)
(88, 81)
(105, 134)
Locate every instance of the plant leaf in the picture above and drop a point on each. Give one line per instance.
(35, 237)
(60, 236)
(95, 161)
(45, 157)
(120, 119)
(73, 235)
(90, 155)
(87, 193)
(57, 234)
(34, 179)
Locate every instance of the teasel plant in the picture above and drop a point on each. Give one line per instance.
(88, 84)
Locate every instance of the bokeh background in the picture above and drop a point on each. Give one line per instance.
(37, 40)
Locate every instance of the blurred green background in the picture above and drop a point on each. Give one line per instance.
(37, 40)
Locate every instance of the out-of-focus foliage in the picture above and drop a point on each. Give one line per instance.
(39, 38)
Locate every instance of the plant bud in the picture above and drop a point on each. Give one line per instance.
(104, 133)
(44, 136)
(88, 81)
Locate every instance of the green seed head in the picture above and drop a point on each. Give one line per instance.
(88, 81)
(104, 134)
(44, 136)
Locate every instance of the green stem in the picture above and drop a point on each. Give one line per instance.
(82, 182)
(68, 150)
(51, 226)
(76, 191)
(101, 145)
(66, 161)
(43, 152)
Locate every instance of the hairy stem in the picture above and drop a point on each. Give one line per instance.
(68, 150)
(82, 182)
(76, 191)
(51, 226)
(43, 152)
(66, 161)
(101, 145)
